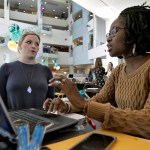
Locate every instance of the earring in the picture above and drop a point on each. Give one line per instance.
(133, 50)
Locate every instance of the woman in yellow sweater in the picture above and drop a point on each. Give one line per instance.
(123, 104)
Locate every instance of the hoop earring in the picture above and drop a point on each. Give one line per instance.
(133, 50)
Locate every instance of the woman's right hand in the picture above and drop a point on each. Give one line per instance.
(70, 89)
(55, 105)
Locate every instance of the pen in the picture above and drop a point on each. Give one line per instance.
(93, 125)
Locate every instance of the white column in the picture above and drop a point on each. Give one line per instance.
(6, 10)
(40, 22)
(6, 56)
(94, 30)
(40, 12)
(70, 20)
(71, 69)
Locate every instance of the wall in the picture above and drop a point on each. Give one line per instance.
(80, 56)
(75, 8)
(55, 22)
(32, 18)
(64, 58)
(10, 55)
(80, 29)
(23, 16)
(1, 13)
(99, 51)
(100, 31)
(3, 27)
(90, 25)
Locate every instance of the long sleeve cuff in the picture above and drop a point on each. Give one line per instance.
(98, 111)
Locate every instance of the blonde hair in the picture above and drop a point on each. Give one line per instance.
(26, 33)
(98, 62)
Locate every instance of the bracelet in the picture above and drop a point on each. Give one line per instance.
(85, 107)
(86, 119)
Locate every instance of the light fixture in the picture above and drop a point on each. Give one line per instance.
(15, 33)
(12, 46)
(57, 67)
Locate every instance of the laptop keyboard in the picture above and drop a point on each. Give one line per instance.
(31, 119)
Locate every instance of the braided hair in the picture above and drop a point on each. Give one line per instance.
(137, 25)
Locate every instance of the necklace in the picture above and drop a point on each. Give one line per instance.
(29, 89)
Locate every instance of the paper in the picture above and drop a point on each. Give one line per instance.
(70, 115)
(92, 88)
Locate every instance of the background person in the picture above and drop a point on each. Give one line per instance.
(123, 104)
(23, 83)
(99, 72)
(110, 68)
(90, 77)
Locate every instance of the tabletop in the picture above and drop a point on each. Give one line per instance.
(124, 142)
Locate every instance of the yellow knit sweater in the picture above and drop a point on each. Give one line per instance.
(131, 95)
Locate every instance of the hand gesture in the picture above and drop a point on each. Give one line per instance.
(70, 89)
(55, 105)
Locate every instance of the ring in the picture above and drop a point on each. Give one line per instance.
(63, 80)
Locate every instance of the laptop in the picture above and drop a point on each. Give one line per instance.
(33, 116)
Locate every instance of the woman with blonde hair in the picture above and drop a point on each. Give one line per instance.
(23, 83)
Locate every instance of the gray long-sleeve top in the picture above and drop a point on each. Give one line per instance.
(15, 78)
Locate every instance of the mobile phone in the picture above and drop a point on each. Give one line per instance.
(95, 141)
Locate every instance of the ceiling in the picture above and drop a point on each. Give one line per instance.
(102, 8)
(108, 8)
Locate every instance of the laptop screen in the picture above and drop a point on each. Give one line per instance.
(4, 123)
(6, 127)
